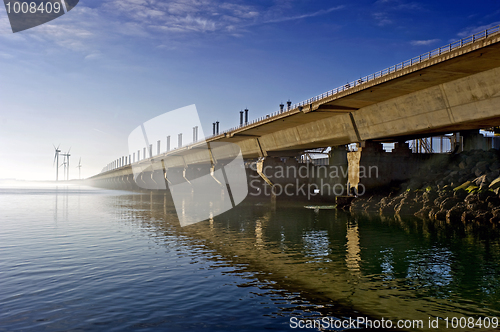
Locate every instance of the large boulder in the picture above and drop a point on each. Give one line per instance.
(483, 166)
(468, 217)
(492, 175)
(455, 213)
(443, 195)
(387, 204)
(357, 205)
(495, 184)
(495, 219)
(485, 194)
(483, 217)
(440, 215)
(463, 186)
(493, 202)
(460, 194)
(474, 203)
(494, 166)
(471, 160)
(371, 204)
(423, 212)
(448, 203)
(408, 207)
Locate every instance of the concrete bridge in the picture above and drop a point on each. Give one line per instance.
(455, 88)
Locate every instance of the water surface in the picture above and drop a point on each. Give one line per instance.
(77, 258)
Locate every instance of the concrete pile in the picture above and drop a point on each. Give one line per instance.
(454, 188)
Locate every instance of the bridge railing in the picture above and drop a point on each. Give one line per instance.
(384, 72)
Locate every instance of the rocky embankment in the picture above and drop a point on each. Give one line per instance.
(453, 188)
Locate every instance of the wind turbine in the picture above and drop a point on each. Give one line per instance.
(68, 155)
(79, 169)
(56, 159)
(66, 163)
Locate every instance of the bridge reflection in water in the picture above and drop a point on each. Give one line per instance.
(364, 265)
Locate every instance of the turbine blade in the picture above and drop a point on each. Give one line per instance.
(55, 156)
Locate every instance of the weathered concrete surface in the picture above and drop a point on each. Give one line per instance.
(467, 103)
(353, 160)
(379, 169)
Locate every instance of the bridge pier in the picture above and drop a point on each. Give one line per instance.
(140, 180)
(331, 180)
(285, 178)
(473, 140)
(372, 168)
(131, 184)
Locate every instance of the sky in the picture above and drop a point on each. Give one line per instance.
(87, 79)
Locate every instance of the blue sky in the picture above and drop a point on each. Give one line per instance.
(87, 79)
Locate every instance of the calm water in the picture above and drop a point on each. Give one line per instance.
(83, 259)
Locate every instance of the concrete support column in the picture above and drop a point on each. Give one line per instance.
(473, 140)
(353, 159)
(401, 149)
(338, 162)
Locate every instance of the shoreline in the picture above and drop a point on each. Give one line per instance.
(464, 188)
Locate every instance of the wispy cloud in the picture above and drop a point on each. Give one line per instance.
(93, 56)
(90, 30)
(399, 4)
(180, 16)
(307, 15)
(385, 13)
(382, 19)
(475, 29)
(6, 55)
(424, 42)
(184, 16)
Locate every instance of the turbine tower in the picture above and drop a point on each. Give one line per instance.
(66, 164)
(56, 161)
(79, 169)
(67, 156)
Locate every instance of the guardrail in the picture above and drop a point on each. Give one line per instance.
(363, 80)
